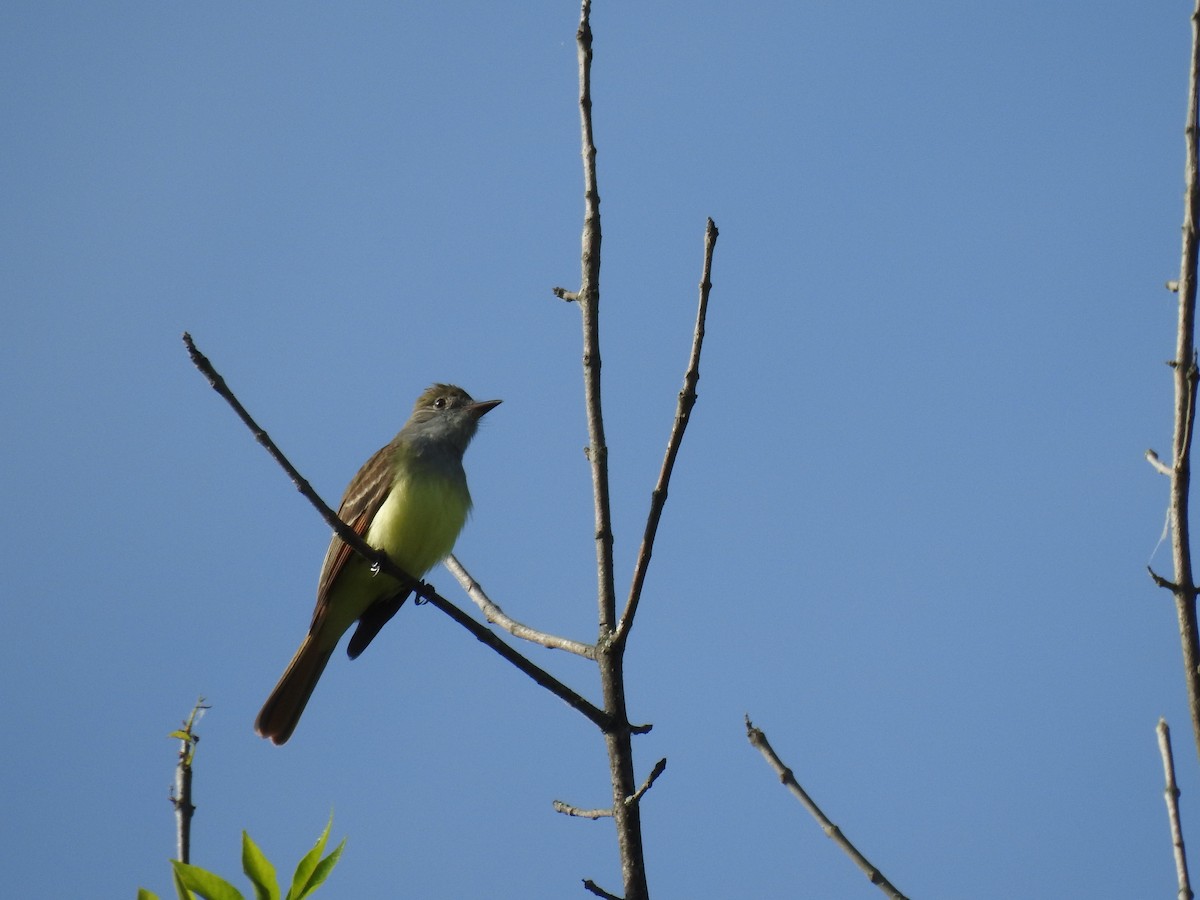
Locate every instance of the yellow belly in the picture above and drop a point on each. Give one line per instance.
(417, 527)
(420, 521)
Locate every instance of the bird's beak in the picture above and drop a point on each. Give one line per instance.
(483, 406)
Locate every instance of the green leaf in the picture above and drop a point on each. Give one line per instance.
(309, 863)
(322, 870)
(259, 870)
(310, 874)
(205, 883)
(181, 890)
(312, 870)
(305, 867)
(180, 735)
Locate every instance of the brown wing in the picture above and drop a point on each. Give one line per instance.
(377, 615)
(364, 495)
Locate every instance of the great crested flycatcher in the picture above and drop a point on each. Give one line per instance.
(410, 500)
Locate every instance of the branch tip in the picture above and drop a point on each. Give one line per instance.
(685, 401)
(759, 740)
(1159, 466)
(1171, 796)
(594, 888)
(567, 809)
(1160, 581)
(659, 768)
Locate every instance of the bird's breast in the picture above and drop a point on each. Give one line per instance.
(421, 519)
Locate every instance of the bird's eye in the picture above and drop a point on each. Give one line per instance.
(439, 403)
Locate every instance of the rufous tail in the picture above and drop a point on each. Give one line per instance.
(281, 712)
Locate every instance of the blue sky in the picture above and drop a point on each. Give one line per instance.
(907, 532)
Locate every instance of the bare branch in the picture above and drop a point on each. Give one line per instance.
(568, 810)
(537, 673)
(181, 793)
(1171, 793)
(659, 768)
(759, 741)
(1159, 466)
(588, 298)
(1186, 377)
(1162, 582)
(384, 563)
(344, 531)
(683, 412)
(594, 888)
(497, 616)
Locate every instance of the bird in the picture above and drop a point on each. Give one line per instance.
(410, 500)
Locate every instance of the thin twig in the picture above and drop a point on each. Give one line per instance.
(497, 616)
(683, 412)
(383, 563)
(1163, 582)
(1171, 793)
(594, 888)
(568, 810)
(1186, 376)
(598, 716)
(181, 793)
(588, 299)
(343, 531)
(659, 768)
(759, 741)
(1159, 466)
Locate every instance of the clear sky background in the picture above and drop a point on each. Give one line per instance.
(907, 533)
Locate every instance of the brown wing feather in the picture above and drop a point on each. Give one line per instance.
(372, 621)
(364, 496)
